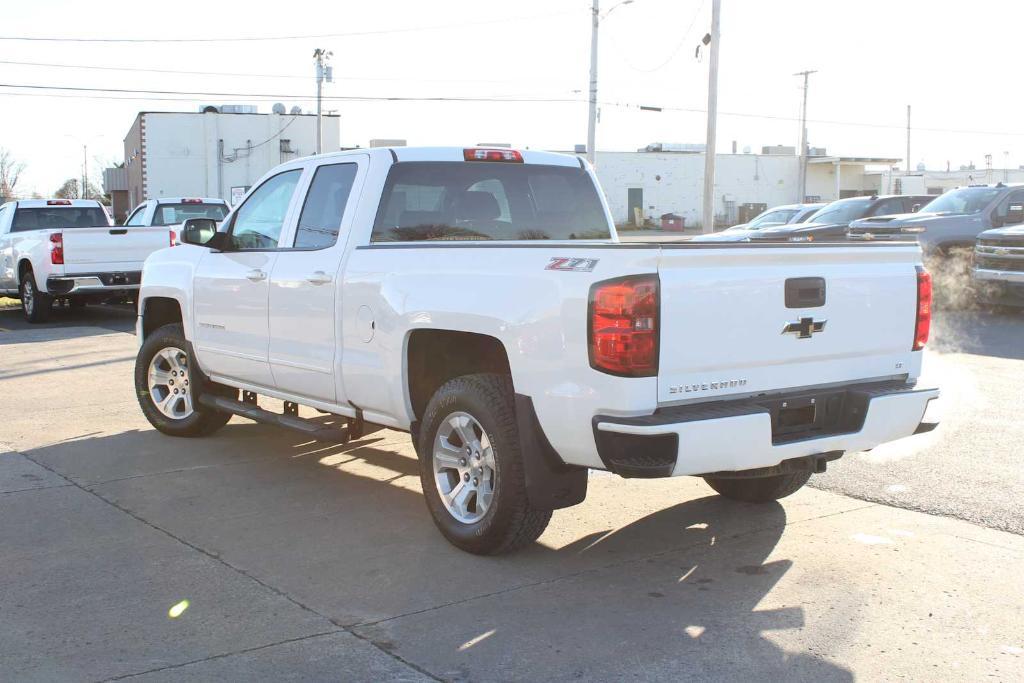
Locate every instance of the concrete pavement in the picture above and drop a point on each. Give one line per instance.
(308, 561)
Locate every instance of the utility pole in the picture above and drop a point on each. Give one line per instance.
(592, 113)
(802, 182)
(908, 139)
(85, 172)
(322, 73)
(708, 216)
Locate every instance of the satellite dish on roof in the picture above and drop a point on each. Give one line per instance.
(296, 110)
(278, 108)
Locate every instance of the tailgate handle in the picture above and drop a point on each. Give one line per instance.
(805, 292)
(119, 231)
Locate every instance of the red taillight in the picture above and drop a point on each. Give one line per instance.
(623, 326)
(191, 201)
(58, 202)
(174, 238)
(510, 155)
(924, 308)
(56, 248)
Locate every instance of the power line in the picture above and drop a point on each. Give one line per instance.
(241, 39)
(98, 67)
(186, 96)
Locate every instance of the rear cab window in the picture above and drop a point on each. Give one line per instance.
(58, 218)
(172, 214)
(479, 201)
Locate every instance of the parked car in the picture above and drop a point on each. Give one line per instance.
(69, 249)
(168, 211)
(999, 261)
(479, 299)
(832, 221)
(779, 215)
(952, 220)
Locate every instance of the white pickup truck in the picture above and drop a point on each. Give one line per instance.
(480, 300)
(70, 249)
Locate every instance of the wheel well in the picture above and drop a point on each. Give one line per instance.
(159, 311)
(23, 267)
(436, 356)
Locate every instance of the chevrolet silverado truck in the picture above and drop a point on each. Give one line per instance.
(950, 222)
(69, 249)
(479, 299)
(832, 221)
(999, 263)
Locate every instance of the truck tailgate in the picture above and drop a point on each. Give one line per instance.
(125, 248)
(728, 330)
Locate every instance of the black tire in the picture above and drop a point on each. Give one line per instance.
(759, 489)
(35, 305)
(202, 421)
(509, 523)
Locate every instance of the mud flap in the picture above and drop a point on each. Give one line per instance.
(550, 483)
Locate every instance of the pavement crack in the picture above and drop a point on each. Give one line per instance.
(221, 656)
(36, 488)
(217, 558)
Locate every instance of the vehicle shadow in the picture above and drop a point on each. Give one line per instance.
(87, 321)
(343, 529)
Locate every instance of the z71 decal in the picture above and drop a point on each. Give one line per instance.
(578, 265)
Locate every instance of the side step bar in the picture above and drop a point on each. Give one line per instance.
(291, 421)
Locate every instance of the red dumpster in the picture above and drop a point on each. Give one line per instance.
(672, 221)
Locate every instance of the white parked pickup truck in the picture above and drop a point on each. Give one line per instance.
(69, 249)
(480, 300)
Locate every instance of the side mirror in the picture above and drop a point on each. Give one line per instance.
(1015, 214)
(199, 231)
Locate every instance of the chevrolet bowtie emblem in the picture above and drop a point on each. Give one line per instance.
(804, 328)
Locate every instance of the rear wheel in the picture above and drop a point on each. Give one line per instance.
(167, 386)
(35, 305)
(759, 489)
(471, 467)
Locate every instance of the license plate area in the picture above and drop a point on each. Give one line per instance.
(813, 415)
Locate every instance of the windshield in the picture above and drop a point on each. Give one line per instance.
(171, 214)
(59, 218)
(843, 211)
(964, 201)
(426, 201)
(776, 217)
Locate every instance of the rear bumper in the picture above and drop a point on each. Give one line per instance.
(749, 434)
(93, 283)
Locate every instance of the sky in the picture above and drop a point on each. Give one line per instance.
(953, 62)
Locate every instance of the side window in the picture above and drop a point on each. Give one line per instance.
(1014, 199)
(888, 207)
(324, 207)
(3, 216)
(136, 218)
(258, 222)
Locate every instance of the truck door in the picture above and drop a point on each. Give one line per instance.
(230, 287)
(304, 291)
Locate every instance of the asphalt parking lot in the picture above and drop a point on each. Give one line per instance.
(311, 561)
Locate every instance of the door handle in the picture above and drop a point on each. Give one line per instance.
(318, 278)
(256, 275)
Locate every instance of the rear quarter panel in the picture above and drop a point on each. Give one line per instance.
(538, 315)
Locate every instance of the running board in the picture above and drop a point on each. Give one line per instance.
(252, 412)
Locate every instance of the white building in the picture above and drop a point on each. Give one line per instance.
(669, 182)
(215, 154)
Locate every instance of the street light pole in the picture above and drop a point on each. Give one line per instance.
(708, 215)
(322, 73)
(802, 182)
(85, 172)
(592, 113)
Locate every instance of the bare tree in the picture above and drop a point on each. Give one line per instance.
(10, 171)
(68, 190)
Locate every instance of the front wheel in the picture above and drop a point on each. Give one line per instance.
(759, 489)
(471, 467)
(166, 385)
(35, 305)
